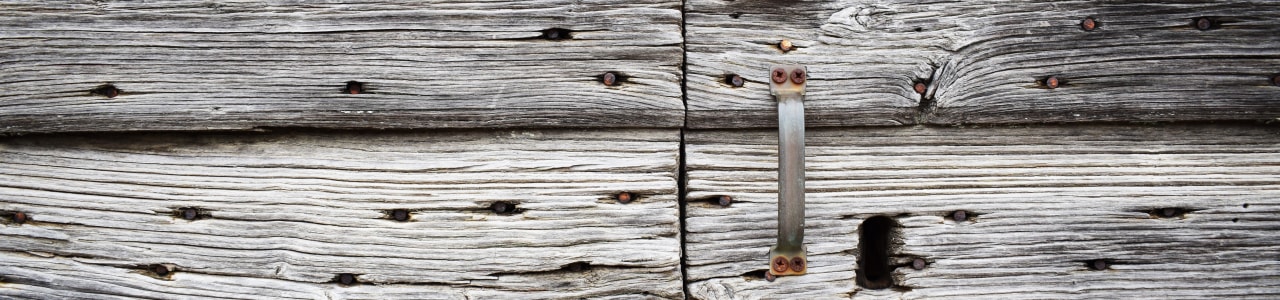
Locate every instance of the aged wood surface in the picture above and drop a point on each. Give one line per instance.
(283, 214)
(200, 65)
(986, 61)
(1042, 201)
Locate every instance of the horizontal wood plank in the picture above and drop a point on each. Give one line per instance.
(198, 65)
(283, 214)
(1042, 202)
(986, 61)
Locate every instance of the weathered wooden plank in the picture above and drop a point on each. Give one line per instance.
(283, 214)
(197, 65)
(986, 61)
(1041, 202)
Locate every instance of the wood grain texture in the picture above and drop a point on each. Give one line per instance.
(986, 61)
(287, 212)
(1042, 201)
(199, 65)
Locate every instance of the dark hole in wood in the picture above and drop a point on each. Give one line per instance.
(1235, 220)
(1168, 212)
(503, 207)
(875, 235)
(1098, 264)
(399, 215)
(556, 34)
(345, 279)
(353, 87)
(757, 274)
(1275, 80)
(735, 15)
(918, 29)
(1246, 205)
(106, 90)
(577, 266)
(160, 270)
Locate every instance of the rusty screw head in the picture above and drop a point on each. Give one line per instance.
(918, 263)
(786, 46)
(609, 78)
(1204, 24)
(190, 213)
(798, 76)
(920, 87)
(959, 216)
(1051, 82)
(160, 270)
(797, 264)
(779, 75)
(736, 81)
(724, 200)
(1098, 264)
(400, 215)
(19, 217)
(1088, 24)
(780, 264)
(346, 279)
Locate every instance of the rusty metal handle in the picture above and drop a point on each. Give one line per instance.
(787, 86)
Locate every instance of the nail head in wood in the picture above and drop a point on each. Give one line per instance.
(1088, 24)
(1169, 212)
(400, 215)
(609, 79)
(1098, 264)
(106, 90)
(346, 279)
(625, 197)
(502, 207)
(959, 216)
(160, 270)
(920, 87)
(786, 46)
(556, 34)
(20, 217)
(1051, 82)
(918, 264)
(724, 200)
(190, 213)
(736, 81)
(1203, 23)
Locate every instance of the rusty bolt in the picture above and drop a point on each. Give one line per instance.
(1051, 82)
(1088, 24)
(1204, 24)
(786, 46)
(769, 276)
(346, 279)
(1098, 264)
(160, 270)
(736, 81)
(920, 88)
(779, 75)
(780, 264)
(918, 263)
(798, 76)
(400, 215)
(19, 217)
(625, 197)
(797, 264)
(609, 78)
(724, 200)
(354, 87)
(190, 213)
(959, 216)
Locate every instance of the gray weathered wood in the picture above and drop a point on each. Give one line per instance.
(290, 211)
(1046, 199)
(199, 65)
(982, 60)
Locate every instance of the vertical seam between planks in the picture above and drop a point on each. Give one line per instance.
(682, 177)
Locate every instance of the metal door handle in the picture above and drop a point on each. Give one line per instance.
(788, 256)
